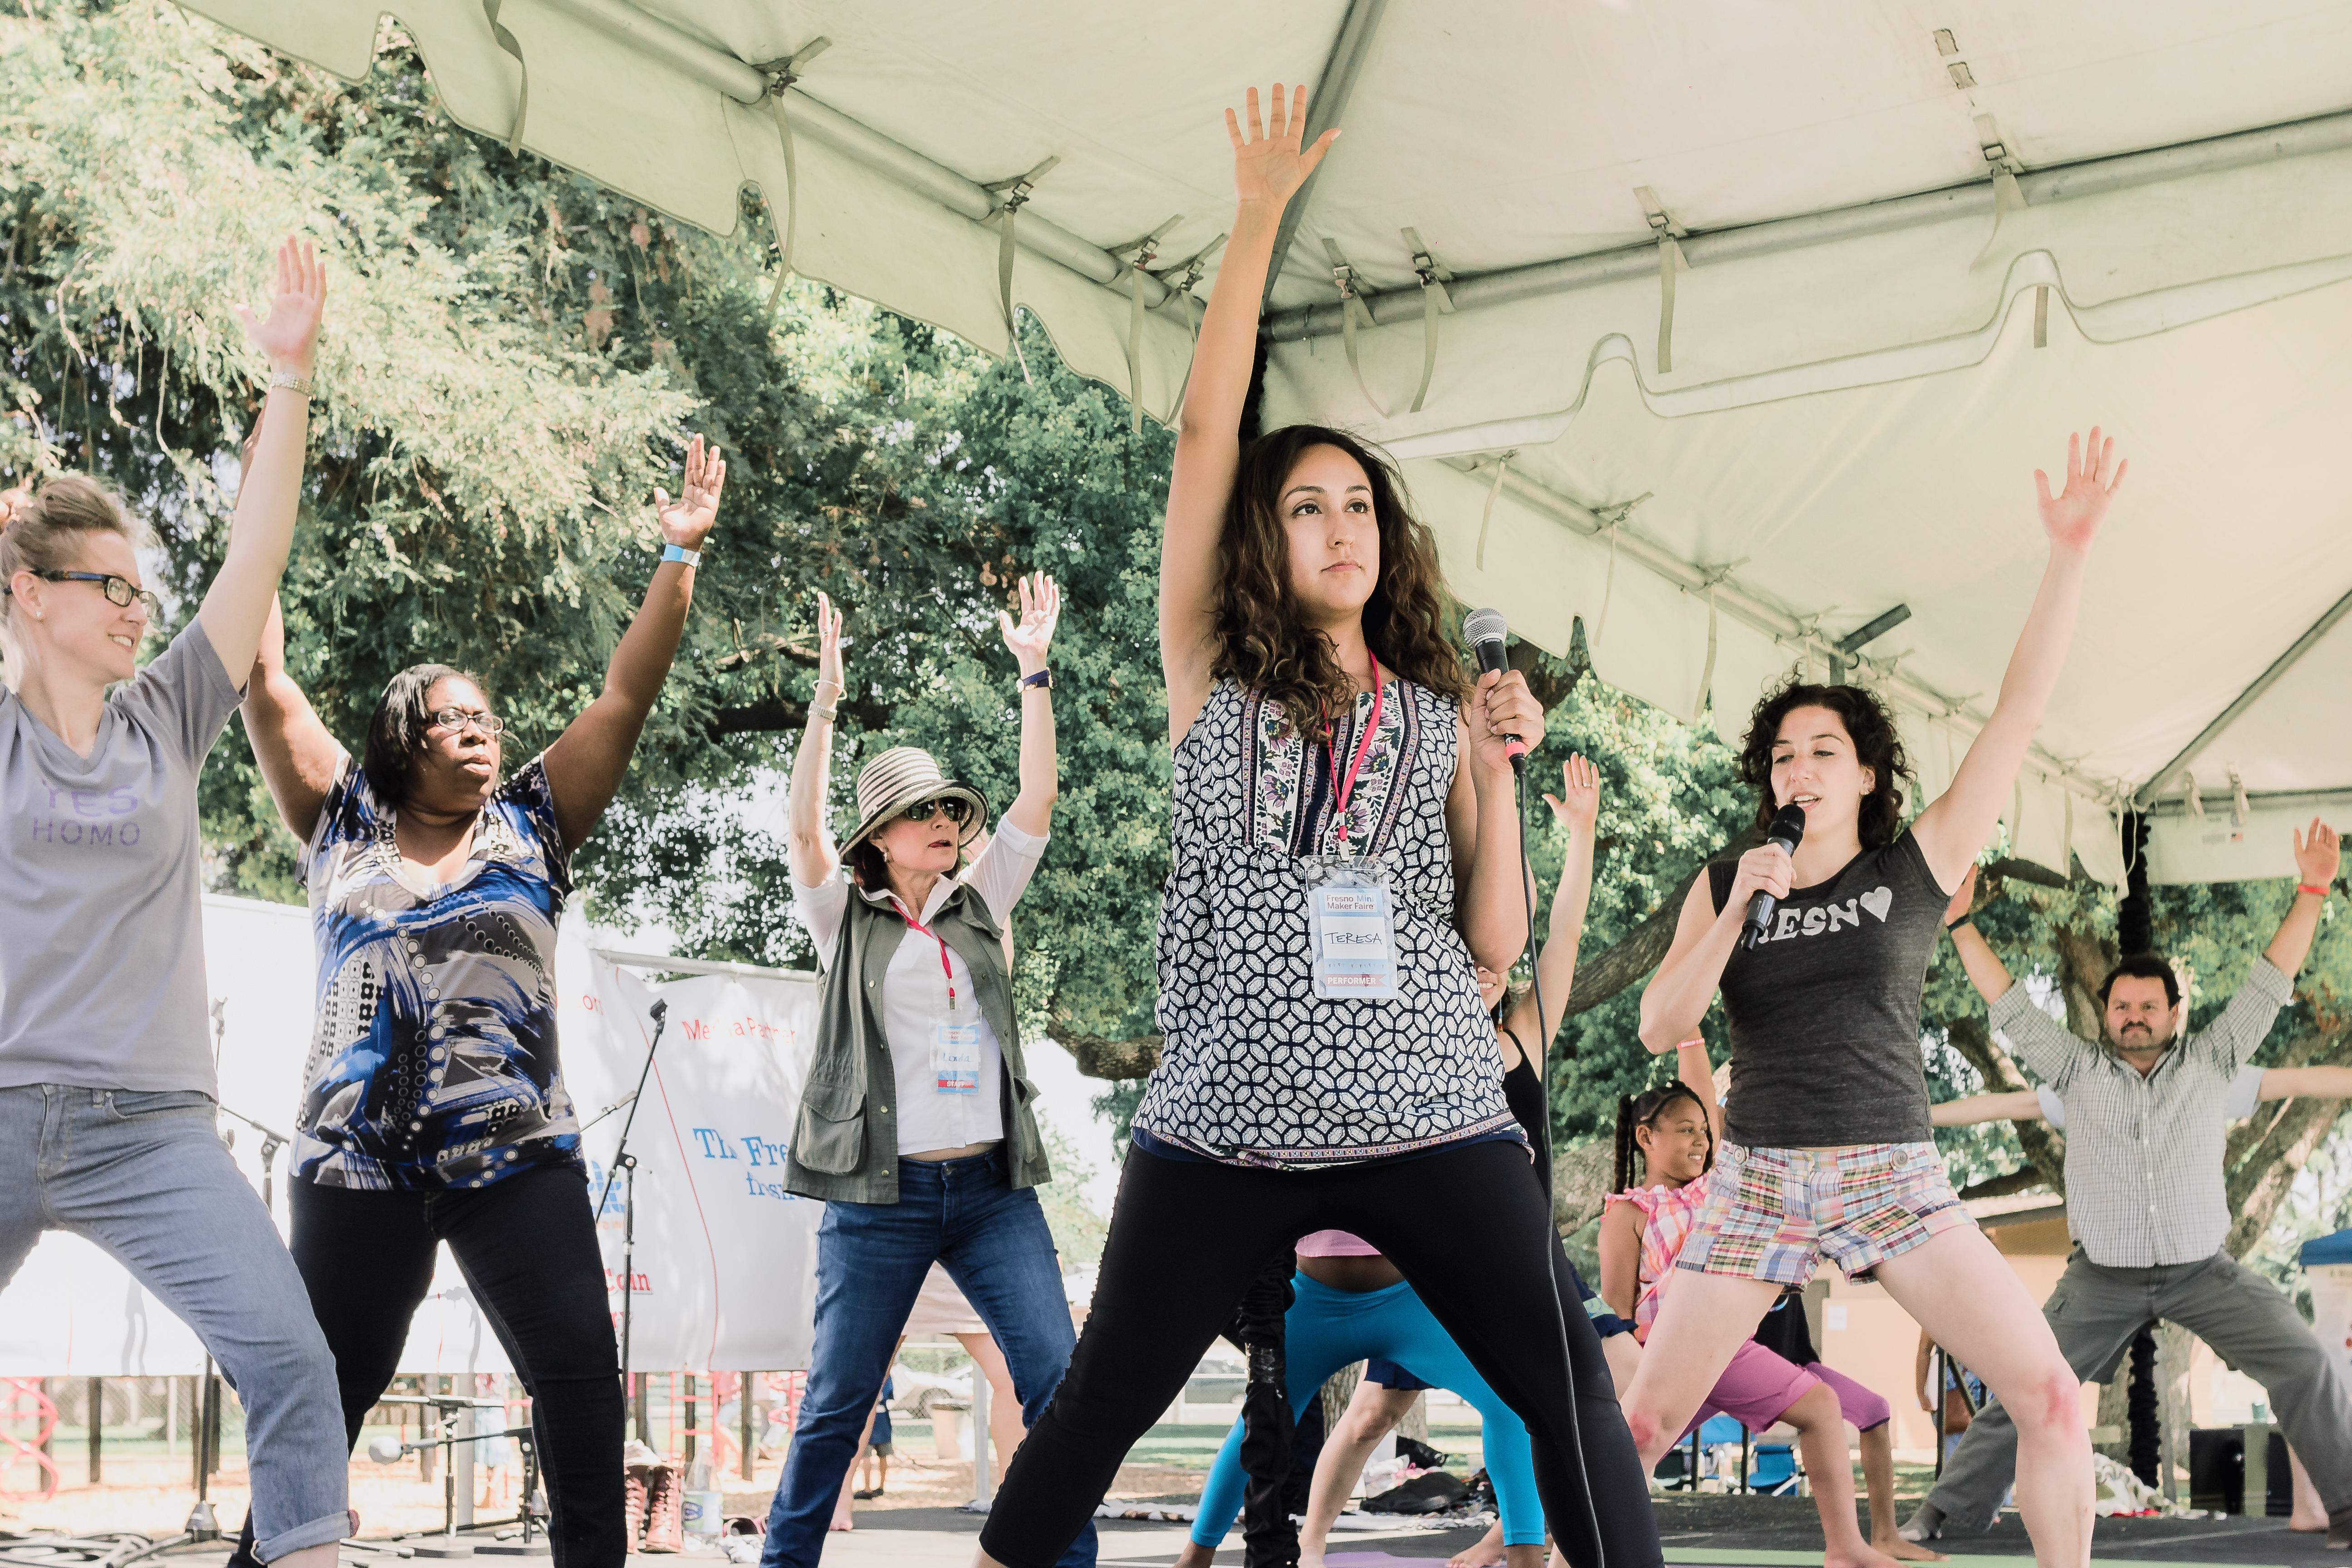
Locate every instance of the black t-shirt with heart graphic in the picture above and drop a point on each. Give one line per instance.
(1825, 1014)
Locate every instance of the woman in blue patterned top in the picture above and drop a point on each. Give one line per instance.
(433, 1106)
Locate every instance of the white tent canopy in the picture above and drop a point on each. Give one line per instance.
(1911, 248)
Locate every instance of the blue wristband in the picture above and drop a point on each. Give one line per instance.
(680, 553)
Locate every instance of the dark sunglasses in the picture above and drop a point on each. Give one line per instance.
(957, 809)
(455, 718)
(119, 591)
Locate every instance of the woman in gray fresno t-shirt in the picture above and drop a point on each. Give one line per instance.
(1827, 1145)
(106, 1082)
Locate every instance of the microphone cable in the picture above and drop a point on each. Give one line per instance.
(1542, 1066)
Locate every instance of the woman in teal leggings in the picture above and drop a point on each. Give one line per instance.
(1327, 1328)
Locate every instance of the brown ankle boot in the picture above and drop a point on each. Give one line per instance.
(664, 1506)
(633, 1504)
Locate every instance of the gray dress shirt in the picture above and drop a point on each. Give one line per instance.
(2144, 1178)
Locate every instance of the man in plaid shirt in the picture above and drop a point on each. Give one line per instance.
(2144, 1198)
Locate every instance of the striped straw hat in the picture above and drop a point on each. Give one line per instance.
(908, 775)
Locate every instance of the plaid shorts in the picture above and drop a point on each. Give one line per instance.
(1771, 1213)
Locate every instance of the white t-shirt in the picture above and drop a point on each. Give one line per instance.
(915, 991)
(2246, 1093)
(102, 971)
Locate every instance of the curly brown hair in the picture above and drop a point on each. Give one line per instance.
(1876, 744)
(1263, 641)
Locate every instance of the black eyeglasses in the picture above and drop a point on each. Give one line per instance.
(957, 809)
(453, 719)
(120, 591)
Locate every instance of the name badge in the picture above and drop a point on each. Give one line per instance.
(1354, 929)
(955, 1058)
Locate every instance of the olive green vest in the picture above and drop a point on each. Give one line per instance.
(844, 1144)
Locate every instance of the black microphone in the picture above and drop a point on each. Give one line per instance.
(1484, 630)
(1787, 830)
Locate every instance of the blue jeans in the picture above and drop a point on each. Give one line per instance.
(144, 1175)
(870, 1263)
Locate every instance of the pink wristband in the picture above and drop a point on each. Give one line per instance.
(2307, 888)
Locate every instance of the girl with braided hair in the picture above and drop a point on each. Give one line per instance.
(1672, 1130)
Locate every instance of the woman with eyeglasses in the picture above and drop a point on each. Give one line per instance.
(108, 1087)
(916, 1127)
(434, 1108)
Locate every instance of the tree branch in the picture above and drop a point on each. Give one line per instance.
(771, 713)
(2023, 1180)
(2264, 1167)
(1113, 1060)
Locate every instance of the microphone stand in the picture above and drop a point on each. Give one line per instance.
(623, 1161)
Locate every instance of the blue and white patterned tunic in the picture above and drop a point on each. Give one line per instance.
(1256, 1069)
(433, 1063)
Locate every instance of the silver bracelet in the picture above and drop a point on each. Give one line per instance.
(824, 713)
(292, 382)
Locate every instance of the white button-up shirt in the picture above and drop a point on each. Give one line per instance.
(915, 991)
(2144, 1179)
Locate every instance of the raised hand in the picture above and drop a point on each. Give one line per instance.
(2073, 516)
(685, 521)
(828, 647)
(1964, 900)
(2317, 855)
(1041, 607)
(1268, 167)
(289, 336)
(1578, 804)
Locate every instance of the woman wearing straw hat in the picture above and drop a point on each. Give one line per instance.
(916, 1127)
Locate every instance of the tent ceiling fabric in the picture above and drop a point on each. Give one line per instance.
(1844, 424)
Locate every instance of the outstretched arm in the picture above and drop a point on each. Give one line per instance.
(2316, 861)
(2318, 1083)
(296, 756)
(585, 765)
(1268, 169)
(808, 844)
(262, 534)
(1032, 810)
(1697, 1070)
(1955, 829)
(1577, 808)
(1986, 971)
(2023, 1105)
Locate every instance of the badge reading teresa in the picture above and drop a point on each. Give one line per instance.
(1355, 939)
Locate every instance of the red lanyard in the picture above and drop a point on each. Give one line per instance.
(1342, 793)
(914, 924)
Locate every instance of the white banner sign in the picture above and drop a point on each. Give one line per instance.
(725, 1261)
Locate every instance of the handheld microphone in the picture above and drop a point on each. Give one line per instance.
(1787, 830)
(1484, 630)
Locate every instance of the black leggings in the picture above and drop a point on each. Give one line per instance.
(1470, 1231)
(526, 1246)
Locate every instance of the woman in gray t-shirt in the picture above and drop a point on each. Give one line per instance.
(1827, 1147)
(106, 1065)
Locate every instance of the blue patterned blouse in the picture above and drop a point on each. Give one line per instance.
(433, 1064)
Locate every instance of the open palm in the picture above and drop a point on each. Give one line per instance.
(1578, 804)
(686, 520)
(2073, 516)
(1268, 167)
(289, 336)
(1041, 607)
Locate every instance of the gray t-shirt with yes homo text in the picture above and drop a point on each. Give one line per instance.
(1824, 1014)
(101, 934)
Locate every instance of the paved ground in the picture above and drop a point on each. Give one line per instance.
(1729, 1532)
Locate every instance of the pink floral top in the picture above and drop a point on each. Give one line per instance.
(1670, 1212)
